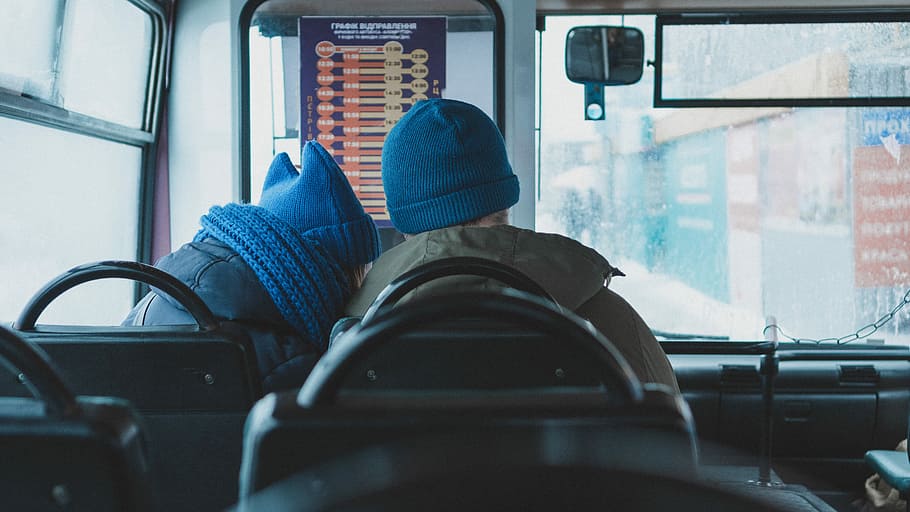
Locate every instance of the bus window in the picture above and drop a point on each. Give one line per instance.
(456, 59)
(77, 98)
(104, 66)
(785, 222)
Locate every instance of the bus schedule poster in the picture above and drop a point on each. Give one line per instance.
(358, 76)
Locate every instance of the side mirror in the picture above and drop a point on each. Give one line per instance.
(605, 55)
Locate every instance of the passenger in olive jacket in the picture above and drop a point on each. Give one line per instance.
(283, 270)
(449, 184)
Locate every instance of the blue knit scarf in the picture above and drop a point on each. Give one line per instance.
(308, 286)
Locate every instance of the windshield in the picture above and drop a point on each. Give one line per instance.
(743, 223)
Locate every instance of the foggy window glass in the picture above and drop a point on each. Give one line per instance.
(104, 67)
(62, 208)
(729, 220)
(87, 56)
(28, 37)
(798, 60)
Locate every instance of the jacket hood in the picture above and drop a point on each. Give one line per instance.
(569, 271)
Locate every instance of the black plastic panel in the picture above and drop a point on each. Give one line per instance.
(827, 414)
(156, 369)
(805, 424)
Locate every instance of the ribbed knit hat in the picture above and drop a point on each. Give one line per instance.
(318, 202)
(445, 163)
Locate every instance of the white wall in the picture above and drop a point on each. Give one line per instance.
(468, 57)
(204, 157)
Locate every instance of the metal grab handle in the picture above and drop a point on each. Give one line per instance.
(133, 270)
(45, 384)
(456, 266)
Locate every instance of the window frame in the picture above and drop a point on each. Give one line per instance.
(244, 132)
(752, 18)
(40, 112)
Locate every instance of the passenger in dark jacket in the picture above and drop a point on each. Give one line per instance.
(449, 185)
(283, 269)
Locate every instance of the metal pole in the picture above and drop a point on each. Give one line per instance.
(770, 365)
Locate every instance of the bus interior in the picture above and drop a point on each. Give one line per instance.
(738, 161)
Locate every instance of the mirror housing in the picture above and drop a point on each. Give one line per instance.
(604, 54)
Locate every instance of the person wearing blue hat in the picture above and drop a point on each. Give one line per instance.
(449, 186)
(283, 268)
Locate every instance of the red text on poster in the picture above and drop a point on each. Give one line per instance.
(881, 215)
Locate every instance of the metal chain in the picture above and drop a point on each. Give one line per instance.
(863, 332)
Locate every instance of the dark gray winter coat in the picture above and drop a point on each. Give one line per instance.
(231, 290)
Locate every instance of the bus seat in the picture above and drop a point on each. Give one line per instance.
(406, 283)
(497, 374)
(507, 339)
(503, 467)
(894, 468)
(193, 385)
(62, 452)
(500, 354)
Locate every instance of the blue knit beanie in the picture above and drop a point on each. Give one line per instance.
(445, 163)
(318, 202)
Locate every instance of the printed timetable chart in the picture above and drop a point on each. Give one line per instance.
(358, 76)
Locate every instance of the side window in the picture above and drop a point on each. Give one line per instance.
(78, 85)
(456, 60)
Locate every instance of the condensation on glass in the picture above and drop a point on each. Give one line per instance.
(796, 60)
(86, 56)
(104, 62)
(726, 220)
(67, 199)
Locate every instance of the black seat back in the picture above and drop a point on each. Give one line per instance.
(491, 344)
(60, 452)
(282, 437)
(521, 468)
(337, 412)
(504, 340)
(193, 385)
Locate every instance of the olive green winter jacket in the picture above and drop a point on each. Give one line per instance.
(575, 275)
